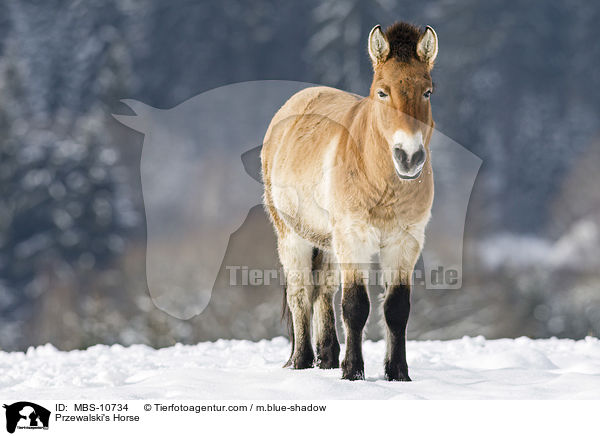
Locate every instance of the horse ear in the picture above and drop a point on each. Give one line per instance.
(379, 47)
(427, 47)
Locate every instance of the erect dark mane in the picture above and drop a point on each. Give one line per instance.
(403, 39)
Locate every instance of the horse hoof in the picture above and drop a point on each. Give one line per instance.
(396, 373)
(328, 363)
(353, 371)
(303, 361)
(328, 358)
(398, 377)
(302, 365)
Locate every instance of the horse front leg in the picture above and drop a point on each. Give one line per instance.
(353, 253)
(396, 309)
(355, 311)
(398, 259)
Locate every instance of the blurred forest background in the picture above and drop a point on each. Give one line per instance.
(516, 84)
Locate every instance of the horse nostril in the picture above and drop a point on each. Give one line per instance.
(400, 155)
(418, 158)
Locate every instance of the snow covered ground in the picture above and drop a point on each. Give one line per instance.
(468, 368)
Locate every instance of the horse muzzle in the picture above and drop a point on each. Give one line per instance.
(409, 165)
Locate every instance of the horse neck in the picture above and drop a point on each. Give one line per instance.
(373, 151)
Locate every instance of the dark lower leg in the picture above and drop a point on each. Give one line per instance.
(396, 309)
(328, 347)
(355, 311)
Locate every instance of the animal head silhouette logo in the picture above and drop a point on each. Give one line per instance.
(24, 414)
(200, 174)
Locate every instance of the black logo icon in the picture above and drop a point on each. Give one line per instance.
(26, 415)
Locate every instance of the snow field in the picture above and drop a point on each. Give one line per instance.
(467, 368)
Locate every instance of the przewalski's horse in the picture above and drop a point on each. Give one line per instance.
(347, 178)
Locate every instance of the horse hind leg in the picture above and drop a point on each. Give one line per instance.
(328, 347)
(296, 256)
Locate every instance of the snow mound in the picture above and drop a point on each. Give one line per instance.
(576, 249)
(467, 368)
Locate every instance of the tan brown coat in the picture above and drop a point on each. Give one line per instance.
(351, 177)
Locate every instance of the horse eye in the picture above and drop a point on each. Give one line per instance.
(427, 93)
(381, 94)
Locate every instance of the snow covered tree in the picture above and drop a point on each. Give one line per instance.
(64, 202)
(338, 45)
